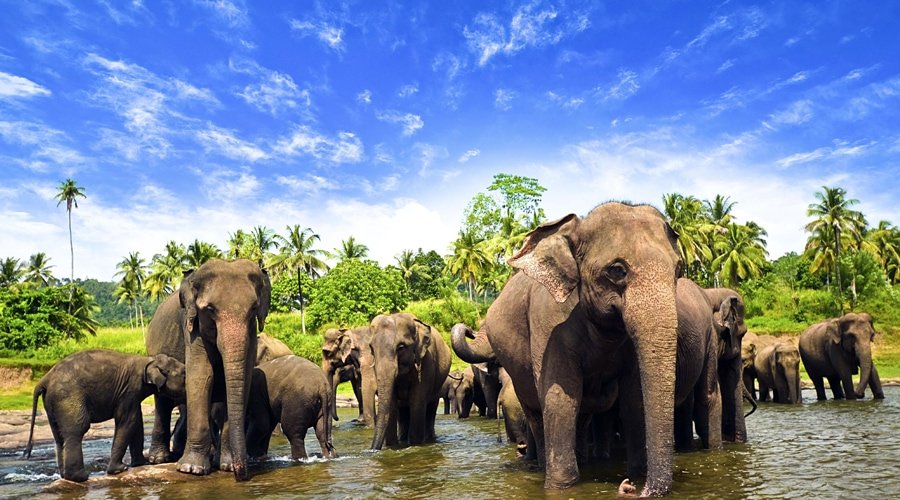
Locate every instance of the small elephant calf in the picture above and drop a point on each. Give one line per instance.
(97, 385)
(295, 392)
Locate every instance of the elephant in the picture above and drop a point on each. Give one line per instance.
(347, 357)
(697, 396)
(752, 344)
(462, 392)
(836, 349)
(447, 390)
(510, 408)
(411, 363)
(486, 388)
(592, 313)
(97, 385)
(728, 320)
(220, 308)
(269, 348)
(778, 367)
(295, 392)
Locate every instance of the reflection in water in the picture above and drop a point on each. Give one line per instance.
(833, 449)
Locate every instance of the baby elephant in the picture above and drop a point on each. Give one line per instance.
(295, 392)
(778, 367)
(97, 385)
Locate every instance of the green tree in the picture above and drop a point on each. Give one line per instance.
(38, 270)
(353, 292)
(468, 261)
(685, 215)
(482, 216)
(200, 252)
(11, 272)
(521, 199)
(261, 240)
(885, 241)
(166, 271)
(430, 281)
(240, 245)
(741, 253)
(69, 191)
(297, 251)
(351, 249)
(832, 211)
(131, 287)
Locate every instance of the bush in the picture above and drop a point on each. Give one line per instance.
(444, 313)
(31, 318)
(353, 292)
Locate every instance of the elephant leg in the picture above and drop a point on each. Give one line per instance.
(260, 426)
(357, 392)
(631, 412)
(403, 423)
(73, 458)
(390, 436)
(562, 401)
(684, 424)
(602, 428)
(162, 421)
(179, 434)
(417, 421)
(582, 450)
(835, 383)
(294, 427)
(536, 448)
(731, 387)
(763, 391)
(198, 385)
(430, 415)
(847, 384)
(819, 383)
(875, 384)
(321, 429)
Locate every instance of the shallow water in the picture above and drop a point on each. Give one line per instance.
(832, 449)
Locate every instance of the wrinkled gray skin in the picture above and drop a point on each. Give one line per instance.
(697, 397)
(269, 348)
(221, 307)
(347, 357)
(462, 393)
(778, 368)
(447, 390)
(594, 295)
(728, 320)
(836, 349)
(293, 391)
(513, 416)
(750, 347)
(97, 385)
(411, 363)
(487, 388)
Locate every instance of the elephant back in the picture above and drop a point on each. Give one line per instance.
(164, 333)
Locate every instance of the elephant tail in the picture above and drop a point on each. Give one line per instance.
(39, 390)
(478, 351)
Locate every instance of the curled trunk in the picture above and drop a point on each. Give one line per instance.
(478, 351)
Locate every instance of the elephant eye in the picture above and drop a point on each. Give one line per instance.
(617, 272)
(401, 346)
(210, 308)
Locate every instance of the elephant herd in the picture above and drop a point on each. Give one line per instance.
(597, 343)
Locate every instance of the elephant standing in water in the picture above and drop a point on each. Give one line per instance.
(728, 320)
(513, 416)
(217, 312)
(592, 312)
(778, 367)
(97, 385)
(347, 357)
(836, 349)
(411, 363)
(751, 346)
(269, 348)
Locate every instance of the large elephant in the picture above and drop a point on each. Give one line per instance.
(697, 397)
(411, 363)
(486, 387)
(728, 320)
(594, 308)
(347, 357)
(295, 392)
(836, 349)
(778, 367)
(97, 385)
(222, 306)
(751, 346)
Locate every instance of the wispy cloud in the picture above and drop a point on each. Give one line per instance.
(564, 102)
(228, 185)
(17, 86)
(227, 12)
(364, 97)
(468, 155)
(276, 93)
(839, 150)
(345, 148)
(45, 146)
(408, 90)
(532, 25)
(625, 86)
(411, 123)
(503, 99)
(797, 113)
(221, 141)
(332, 36)
(308, 184)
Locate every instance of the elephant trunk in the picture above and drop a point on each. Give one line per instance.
(334, 379)
(478, 351)
(864, 352)
(235, 344)
(386, 376)
(655, 337)
(792, 374)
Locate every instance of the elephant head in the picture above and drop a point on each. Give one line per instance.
(854, 333)
(785, 367)
(226, 303)
(399, 342)
(728, 317)
(166, 375)
(622, 261)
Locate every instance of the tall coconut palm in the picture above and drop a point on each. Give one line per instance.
(885, 240)
(685, 215)
(239, 245)
(133, 273)
(11, 272)
(351, 249)
(741, 253)
(295, 251)
(199, 252)
(261, 240)
(166, 270)
(410, 267)
(38, 270)
(69, 191)
(468, 261)
(833, 211)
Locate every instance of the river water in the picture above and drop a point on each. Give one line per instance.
(831, 449)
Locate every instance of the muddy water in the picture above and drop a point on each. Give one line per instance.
(833, 449)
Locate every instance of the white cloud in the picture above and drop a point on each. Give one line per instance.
(224, 142)
(503, 99)
(275, 93)
(726, 65)
(364, 97)
(308, 184)
(468, 155)
(408, 90)
(227, 12)
(565, 102)
(17, 86)
(626, 86)
(345, 148)
(332, 36)
(797, 113)
(411, 123)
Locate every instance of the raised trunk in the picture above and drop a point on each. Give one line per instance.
(236, 344)
(386, 377)
(864, 352)
(655, 344)
(477, 351)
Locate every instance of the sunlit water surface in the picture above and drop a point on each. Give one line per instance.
(832, 449)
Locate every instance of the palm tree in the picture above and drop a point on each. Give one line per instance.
(685, 215)
(11, 272)
(261, 240)
(885, 241)
(133, 273)
(82, 308)
(166, 270)
(409, 266)
(296, 251)
(741, 253)
(38, 270)
(833, 211)
(351, 249)
(238, 245)
(68, 191)
(719, 210)
(468, 260)
(199, 252)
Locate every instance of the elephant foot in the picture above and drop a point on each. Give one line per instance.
(139, 461)
(114, 469)
(879, 395)
(76, 477)
(627, 489)
(195, 463)
(158, 455)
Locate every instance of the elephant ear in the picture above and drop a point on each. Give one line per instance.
(833, 330)
(153, 373)
(346, 345)
(187, 300)
(547, 257)
(423, 334)
(726, 316)
(265, 299)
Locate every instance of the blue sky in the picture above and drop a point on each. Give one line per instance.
(381, 120)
